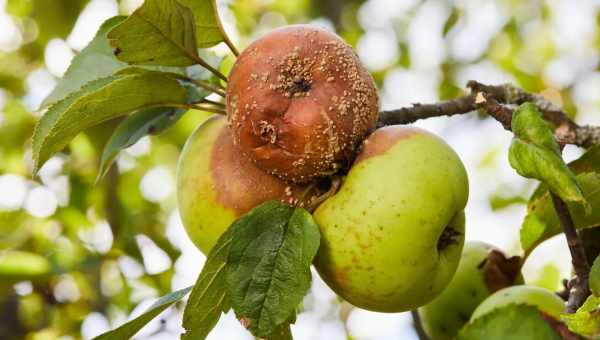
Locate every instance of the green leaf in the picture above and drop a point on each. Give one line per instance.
(95, 61)
(208, 299)
(588, 162)
(534, 153)
(451, 21)
(18, 265)
(586, 321)
(542, 222)
(128, 329)
(532, 231)
(208, 23)
(595, 277)
(518, 322)
(268, 270)
(160, 32)
(99, 101)
(282, 332)
(145, 122)
(498, 202)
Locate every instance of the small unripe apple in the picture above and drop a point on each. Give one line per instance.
(216, 183)
(545, 300)
(300, 102)
(393, 235)
(482, 270)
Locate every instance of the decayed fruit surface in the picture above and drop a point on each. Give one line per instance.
(216, 183)
(545, 300)
(393, 235)
(300, 103)
(443, 317)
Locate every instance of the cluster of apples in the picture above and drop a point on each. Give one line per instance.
(301, 109)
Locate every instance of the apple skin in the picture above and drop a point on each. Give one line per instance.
(381, 231)
(545, 300)
(216, 184)
(443, 317)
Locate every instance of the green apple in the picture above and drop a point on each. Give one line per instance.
(393, 235)
(545, 300)
(216, 184)
(444, 316)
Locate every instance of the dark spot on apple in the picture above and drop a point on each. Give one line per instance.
(300, 85)
(447, 238)
(117, 51)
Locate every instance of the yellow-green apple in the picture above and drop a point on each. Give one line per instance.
(393, 235)
(300, 102)
(216, 183)
(545, 300)
(482, 270)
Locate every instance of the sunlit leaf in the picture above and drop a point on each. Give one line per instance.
(208, 299)
(208, 24)
(95, 61)
(160, 32)
(128, 329)
(99, 101)
(534, 153)
(451, 21)
(542, 222)
(586, 320)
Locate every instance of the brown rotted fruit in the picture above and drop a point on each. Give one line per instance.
(300, 103)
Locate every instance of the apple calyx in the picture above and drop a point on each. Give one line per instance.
(500, 271)
(448, 237)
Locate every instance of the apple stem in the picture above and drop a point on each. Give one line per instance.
(579, 285)
(418, 325)
(310, 202)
